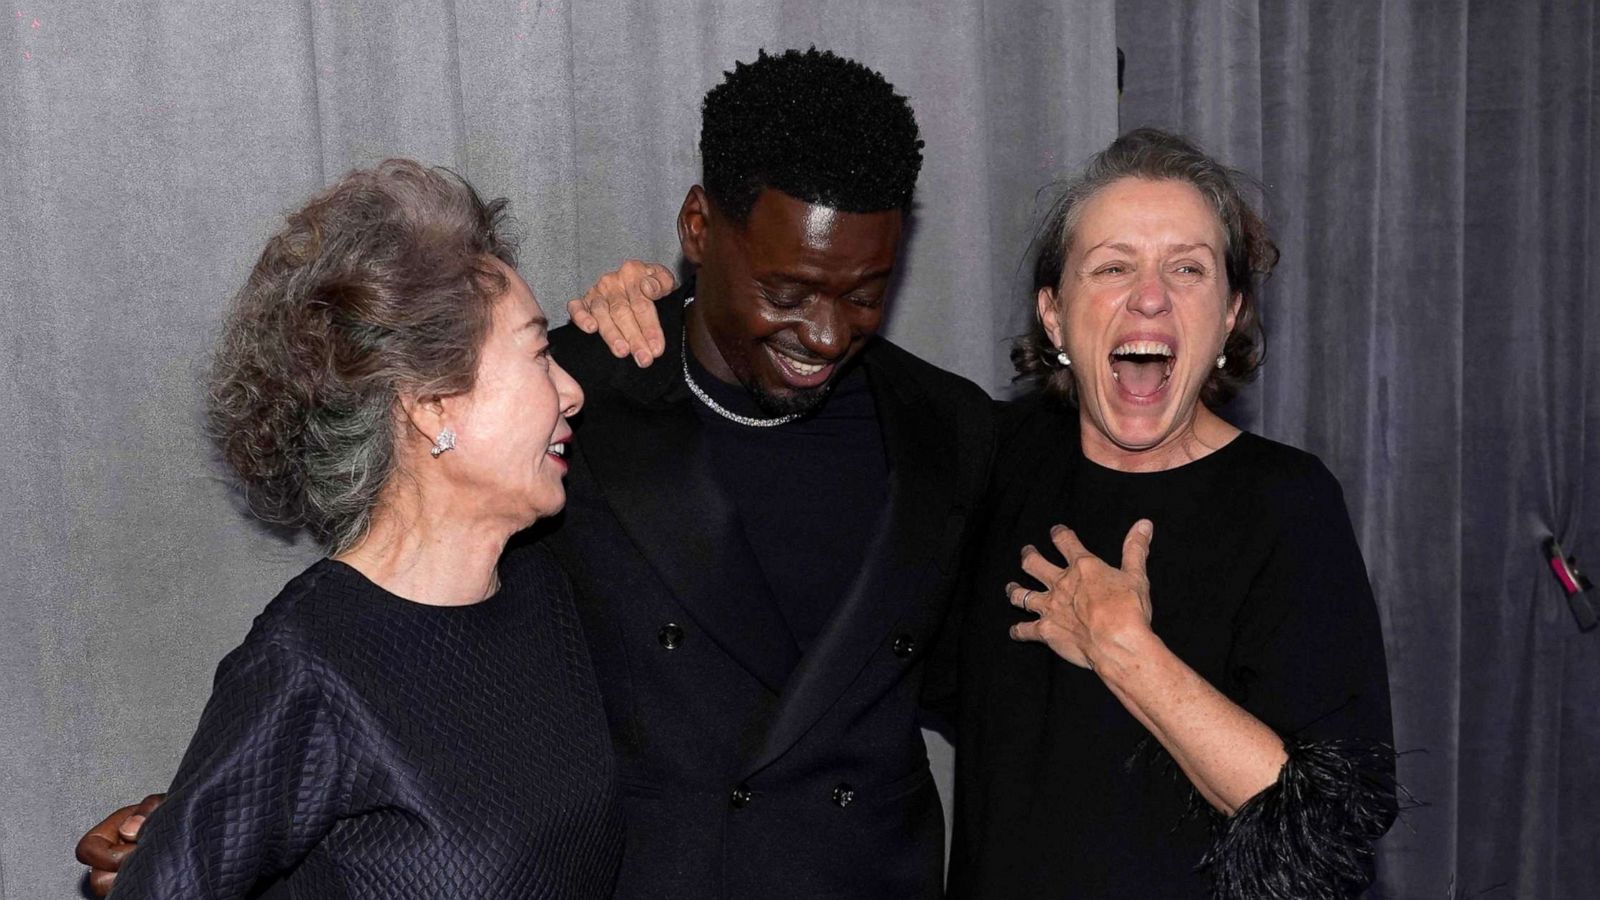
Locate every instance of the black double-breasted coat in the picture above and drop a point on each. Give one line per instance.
(749, 770)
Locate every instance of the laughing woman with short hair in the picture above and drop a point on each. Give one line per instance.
(413, 715)
(1232, 659)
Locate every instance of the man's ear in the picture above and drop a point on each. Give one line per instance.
(1049, 315)
(694, 224)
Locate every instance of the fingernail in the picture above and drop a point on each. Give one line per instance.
(1026, 549)
(619, 348)
(1057, 529)
(130, 826)
(642, 358)
(1144, 527)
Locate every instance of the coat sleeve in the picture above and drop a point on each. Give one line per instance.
(939, 696)
(1308, 660)
(257, 788)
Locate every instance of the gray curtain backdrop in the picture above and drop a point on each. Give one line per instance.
(1431, 171)
(147, 150)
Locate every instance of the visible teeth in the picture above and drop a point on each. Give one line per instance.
(801, 368)
(558, 449)
(1144, 348)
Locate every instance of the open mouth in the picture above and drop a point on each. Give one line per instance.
(558, 450)
(799, 373)
(1142, 368)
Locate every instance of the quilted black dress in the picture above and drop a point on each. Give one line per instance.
(360, 745)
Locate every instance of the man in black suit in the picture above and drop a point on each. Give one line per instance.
(762, 529)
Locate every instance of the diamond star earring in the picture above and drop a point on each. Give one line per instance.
(445, 441)
(1062, 357)
(1222, 360)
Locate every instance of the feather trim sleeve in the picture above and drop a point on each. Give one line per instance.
(1310, 834)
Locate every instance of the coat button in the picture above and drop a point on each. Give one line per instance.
(741, 797)
(904, 645)
(843, 795)
(670, 636)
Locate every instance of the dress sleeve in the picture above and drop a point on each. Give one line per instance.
(257, 788)
(1308, 661)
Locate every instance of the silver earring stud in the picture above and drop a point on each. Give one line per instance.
(1222, 360)
(1063, 358)
(445, 441)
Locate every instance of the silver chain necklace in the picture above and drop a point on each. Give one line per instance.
(713, 405)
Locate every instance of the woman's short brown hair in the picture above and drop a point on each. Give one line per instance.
(382, 284)
(1249, 254)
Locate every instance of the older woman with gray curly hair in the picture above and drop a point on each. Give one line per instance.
(413, 714)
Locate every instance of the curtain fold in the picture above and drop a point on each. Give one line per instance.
(1430, 169)
(150, 148)
(1430, 176)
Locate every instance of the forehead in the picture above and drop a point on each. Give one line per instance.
(516, 306)
(784, 233)
(1143, 211)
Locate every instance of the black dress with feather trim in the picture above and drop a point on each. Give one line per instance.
(1257, 583)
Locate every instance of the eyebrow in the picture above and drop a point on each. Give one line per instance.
(537, 322)
(821, 281)
(1128, 248)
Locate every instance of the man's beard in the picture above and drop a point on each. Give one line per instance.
(790, 403)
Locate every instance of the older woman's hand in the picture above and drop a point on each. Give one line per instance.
(1089, 604)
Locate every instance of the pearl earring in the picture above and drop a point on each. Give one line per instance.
(445, 441)
(1063, 358)
(1222, 360)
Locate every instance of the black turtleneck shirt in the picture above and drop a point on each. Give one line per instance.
(810, 492)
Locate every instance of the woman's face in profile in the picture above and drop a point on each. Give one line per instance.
(1143, 310)
(511, 428)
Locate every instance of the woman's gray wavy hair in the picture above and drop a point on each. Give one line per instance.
(381, 285)
(1249, 254)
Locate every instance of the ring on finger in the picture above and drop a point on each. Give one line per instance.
(1024, 601)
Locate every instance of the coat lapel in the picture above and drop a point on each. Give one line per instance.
(903, 556)
(651, 464)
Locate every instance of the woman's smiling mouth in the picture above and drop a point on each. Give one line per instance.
(1142, 368)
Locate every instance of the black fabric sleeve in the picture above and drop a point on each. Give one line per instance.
(1308, 661)
(257, 787)
(939, 697)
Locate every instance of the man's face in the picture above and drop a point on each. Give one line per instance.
(783, 302)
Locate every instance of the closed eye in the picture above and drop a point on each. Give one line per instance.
(781, 301)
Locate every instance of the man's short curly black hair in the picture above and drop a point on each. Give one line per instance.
(818, 127)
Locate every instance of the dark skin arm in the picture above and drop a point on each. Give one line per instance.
(107, 844)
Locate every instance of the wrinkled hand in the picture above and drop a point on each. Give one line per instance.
(622, 307)
(1087, 604)
(104, 848)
